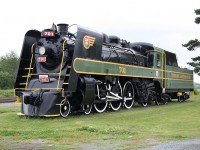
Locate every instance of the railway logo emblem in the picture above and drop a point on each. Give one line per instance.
(88, 41)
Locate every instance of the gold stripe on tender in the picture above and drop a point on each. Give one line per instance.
(178, 72)
(178, 79)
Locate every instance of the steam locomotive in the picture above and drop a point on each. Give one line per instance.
(62, 72)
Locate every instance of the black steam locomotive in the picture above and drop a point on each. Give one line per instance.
(61, 72)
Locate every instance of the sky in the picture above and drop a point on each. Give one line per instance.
(165, 23)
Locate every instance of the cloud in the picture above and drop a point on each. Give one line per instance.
(166, 24)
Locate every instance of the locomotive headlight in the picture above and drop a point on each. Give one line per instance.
(42, 50)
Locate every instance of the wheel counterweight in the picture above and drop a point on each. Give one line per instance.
(116, 90)
(128, 95)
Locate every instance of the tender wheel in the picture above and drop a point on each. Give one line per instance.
(181, 98)
(65, 108)
(128, 96)
(144, 104)
(166, 98)
(87, 109)
(100, 107)
(157, 102)
(187, 96)
(115, 105)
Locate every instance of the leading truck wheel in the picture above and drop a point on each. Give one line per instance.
(65, 108)
(87, 109)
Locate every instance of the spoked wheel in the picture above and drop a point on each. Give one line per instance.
(144, 104)
(87, 109)
(115, 105)
(128, 91)
(101, 94)
(181, 99)
(117, 90)
(157, 102)
(100, 107)
(166, 99)
(65, 108)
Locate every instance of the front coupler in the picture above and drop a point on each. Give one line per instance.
(41, 103)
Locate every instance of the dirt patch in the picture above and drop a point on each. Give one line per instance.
(190, 144)
(103, 145)
(5, 105)
(36, 144)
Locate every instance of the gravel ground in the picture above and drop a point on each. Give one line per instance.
(8, 104)
(192, 144)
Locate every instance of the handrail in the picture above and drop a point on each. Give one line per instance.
(61, 65)
(29, 69)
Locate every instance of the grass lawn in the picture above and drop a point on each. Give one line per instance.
(6, 93)
(125, 129)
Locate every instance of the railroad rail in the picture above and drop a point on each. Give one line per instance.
(7, 100)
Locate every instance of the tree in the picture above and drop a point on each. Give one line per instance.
(193, 45)
(8, 68)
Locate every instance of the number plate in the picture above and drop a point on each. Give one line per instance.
(41, 59)
(43, 78)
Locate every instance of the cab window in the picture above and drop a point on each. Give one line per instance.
(150, 59)
(158, 61)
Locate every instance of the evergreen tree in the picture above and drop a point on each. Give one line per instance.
(194, 44)
(8, 69)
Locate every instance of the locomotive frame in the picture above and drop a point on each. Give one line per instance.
(92, 70)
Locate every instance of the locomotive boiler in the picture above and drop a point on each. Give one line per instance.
(62, 72)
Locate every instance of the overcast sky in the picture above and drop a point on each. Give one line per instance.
(165, 23)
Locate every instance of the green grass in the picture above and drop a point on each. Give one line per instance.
(125, 129)
(6, 93)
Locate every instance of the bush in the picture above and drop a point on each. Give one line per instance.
(196, 90)
(6, 80)
(6, 93)
(8, 69)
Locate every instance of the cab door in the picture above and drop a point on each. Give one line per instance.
(159, 63)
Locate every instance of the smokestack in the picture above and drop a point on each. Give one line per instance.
(63, 29)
